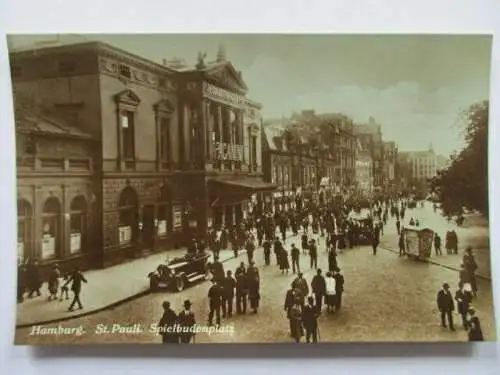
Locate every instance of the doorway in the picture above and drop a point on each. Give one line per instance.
(148, 227)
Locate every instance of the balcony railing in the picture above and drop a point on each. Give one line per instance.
(228, 152)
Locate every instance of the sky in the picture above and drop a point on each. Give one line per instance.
(413, 85)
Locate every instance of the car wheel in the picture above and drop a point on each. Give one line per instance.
(179, 284)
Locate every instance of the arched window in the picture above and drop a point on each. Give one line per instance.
(78, 224)
(164, 219)
(24, 228)
(51, 229)
(128, 208)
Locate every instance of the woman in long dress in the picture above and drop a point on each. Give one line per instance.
(330, 291)
(284, 263)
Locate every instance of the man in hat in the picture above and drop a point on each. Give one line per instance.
(313, 254)
(339, 288)
(167, 325)
(300, 284)
(295, 253)
(474, 326)
(446, 306)
(187, 323)
(291, 299)
(318, 286)
(470, 266)
(218, 269)
(310, 315)
(228, 286)
(215, 302)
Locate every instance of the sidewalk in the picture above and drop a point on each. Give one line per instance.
(105, 288)
(474, 233)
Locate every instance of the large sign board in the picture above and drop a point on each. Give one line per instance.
(224, 96)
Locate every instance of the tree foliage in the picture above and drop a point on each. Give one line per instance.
(464, 184)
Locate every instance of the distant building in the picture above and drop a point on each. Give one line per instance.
(370, 136)
(364, 171)
(419, 167)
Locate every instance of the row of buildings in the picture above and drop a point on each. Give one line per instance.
(119, 156)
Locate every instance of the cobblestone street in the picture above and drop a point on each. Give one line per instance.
(387, 298)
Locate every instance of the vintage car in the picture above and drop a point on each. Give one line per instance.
(179, 272)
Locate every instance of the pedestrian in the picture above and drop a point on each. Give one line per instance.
(401, 243)
(437, 244)
(217, 269)
(310, 314)
(291, 298)
(446, 306)
(215, 302)
(21, 281)
(474, 326)
(295, 253)
(470, 266)
(250, 248)
(313, 254)
(412, 222)
(53, 282)
(304, 243)
(454, 241)
(331, 288)
(64, 288)
(34, 279)
(398, 226)
(267, 252)
(318, 287)
(278, 247)
(241, 292)
(187, 322)
(167, 325)
(253, 280)
(300, 284)
(228, 287)
(463, 298)
(284, 262)
(374, 241)
(332, 259)
(76, 279)
(295, 316)
(339, 288)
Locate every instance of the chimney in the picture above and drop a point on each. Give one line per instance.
(221, 54)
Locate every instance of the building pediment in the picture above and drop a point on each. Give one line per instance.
(128, 97)
(164, 106)
(225, 75)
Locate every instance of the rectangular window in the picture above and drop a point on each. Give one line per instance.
(165, 139)
(128, 134)
(253, 148)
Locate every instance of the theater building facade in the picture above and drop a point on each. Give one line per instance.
(176, 151)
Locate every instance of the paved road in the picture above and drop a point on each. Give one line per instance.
(387, 298)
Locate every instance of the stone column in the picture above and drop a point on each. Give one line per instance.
(209, 130)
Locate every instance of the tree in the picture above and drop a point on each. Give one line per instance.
(464, 184)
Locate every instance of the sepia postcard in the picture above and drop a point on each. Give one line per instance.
(240, 188)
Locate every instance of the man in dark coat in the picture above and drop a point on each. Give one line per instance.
(332, 259)
(215, 302)
(228, 286)
(313, 254)
(402, 245)
(398, 226)
(217, 269)
(474, 326)
(187, 321)
(470, 265)
(278, 247)
(318, 287)
(76, 278)
(253, 280)
(310, 315)
(463, 298)
(446, 306)
(167, 324)
(374, 240)
(267, 252)
(250, 248)
(305, 243)
(295, 253)
(34, 280)
(291, 299)
(339, 288)
(300, 285)
(437, 244)
(241, 292)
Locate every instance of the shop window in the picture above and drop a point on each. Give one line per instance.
(51, 229)
(78, 225)
(128, 208)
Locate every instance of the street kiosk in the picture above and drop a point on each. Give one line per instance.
(418, 241)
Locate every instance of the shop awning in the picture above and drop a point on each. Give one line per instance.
(232, 190)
